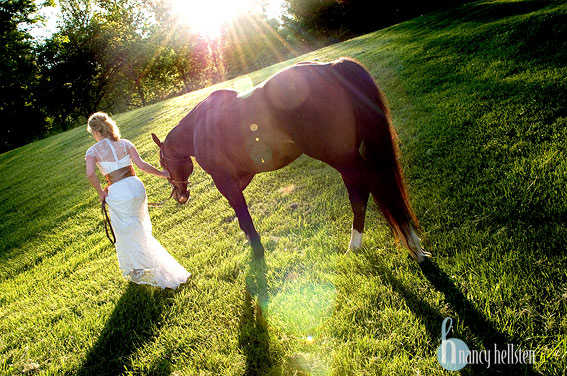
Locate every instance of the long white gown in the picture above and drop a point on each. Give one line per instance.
(141, 257)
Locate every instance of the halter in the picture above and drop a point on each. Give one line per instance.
(170, 180)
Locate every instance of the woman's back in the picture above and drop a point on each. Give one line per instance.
(110, 155)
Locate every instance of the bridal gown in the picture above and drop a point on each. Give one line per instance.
(141, 257)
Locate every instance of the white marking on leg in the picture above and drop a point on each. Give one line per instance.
(414, 244)
(355, 240)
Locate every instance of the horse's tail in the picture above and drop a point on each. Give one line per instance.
(379, 151)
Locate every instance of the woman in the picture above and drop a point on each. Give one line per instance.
(141, 257)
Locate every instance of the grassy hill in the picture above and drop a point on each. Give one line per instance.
(479, 98)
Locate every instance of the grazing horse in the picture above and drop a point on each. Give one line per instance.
(333, 112)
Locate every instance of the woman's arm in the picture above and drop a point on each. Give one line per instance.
(145, 166)
(91, 176)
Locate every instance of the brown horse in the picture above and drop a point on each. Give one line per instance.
(333, 112)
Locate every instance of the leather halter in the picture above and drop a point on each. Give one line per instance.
(170, 180)
(161, 156)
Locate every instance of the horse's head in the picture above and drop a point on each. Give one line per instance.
(179, 168)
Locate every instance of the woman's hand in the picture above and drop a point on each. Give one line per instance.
(102, 196)
(165, 174)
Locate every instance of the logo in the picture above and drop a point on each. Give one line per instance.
(452, 353)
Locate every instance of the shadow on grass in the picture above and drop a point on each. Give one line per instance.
(490, 11)
(477, 328)
(254, 339)
(474, 321)
(136, 320)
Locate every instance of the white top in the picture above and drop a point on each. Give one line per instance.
(110, 155)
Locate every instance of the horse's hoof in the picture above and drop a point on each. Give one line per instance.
(258, 249)
(355, 240)
(259, 253)
(421, 256)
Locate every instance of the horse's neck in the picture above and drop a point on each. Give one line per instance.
(180, 139)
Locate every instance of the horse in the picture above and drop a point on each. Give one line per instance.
(331, 111)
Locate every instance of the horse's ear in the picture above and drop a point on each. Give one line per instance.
(156, 139)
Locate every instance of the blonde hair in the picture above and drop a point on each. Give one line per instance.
(103, 124)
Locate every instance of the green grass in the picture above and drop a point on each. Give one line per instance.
(479, 98)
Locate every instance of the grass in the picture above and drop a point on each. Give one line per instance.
(478, 95)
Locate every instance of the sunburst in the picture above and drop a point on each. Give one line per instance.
(208, 16)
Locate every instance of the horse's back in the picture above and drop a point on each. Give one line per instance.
(312, 106)
(306, 108)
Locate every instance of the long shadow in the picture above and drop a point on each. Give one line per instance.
(477, 329)
(474, 321)
(135, 321)
(254, 339)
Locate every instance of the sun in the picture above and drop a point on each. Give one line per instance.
(207, 16)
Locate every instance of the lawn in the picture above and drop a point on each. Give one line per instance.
(478, 95)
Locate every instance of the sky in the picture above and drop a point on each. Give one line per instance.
(39, 31)
(51, 14)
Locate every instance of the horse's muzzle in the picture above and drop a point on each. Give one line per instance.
(183, 197)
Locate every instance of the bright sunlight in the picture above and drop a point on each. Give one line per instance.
(207, 17)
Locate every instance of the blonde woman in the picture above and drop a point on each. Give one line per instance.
(141, 257)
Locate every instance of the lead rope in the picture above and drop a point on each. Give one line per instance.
(107, 223)
(157, 204)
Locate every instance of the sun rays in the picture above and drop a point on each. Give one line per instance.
(208, 17)
(238, 24)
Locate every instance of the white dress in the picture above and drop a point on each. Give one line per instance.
(141, 257)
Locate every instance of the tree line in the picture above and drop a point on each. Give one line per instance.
(115, 55)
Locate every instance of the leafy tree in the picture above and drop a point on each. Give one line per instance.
(125, 27)
(95, 61)
(21, 118)
(74, 82)
(333, 20)
(184, 53)
(114, 55)
(254, 41)
(74, 79)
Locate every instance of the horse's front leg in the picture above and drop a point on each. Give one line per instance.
(231, 188)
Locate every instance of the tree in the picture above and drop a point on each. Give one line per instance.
(254, 42)
(184, 53)
(126, 30)
(74, 82)
(334, 20)
(95, 61)
(21, 118)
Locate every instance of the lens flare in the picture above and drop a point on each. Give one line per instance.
(243, 84)
(302, 307)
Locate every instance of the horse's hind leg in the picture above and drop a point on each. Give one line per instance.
(353, 178)
(413, 243)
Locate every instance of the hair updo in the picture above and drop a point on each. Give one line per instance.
(103, 124)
